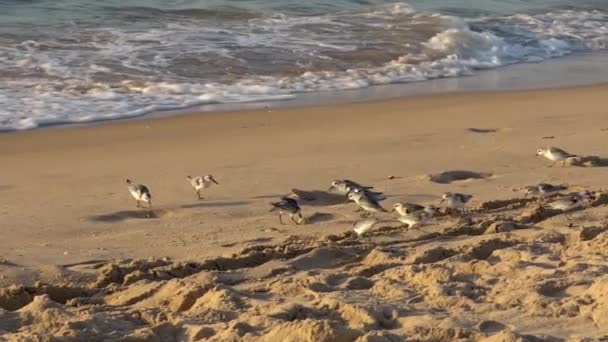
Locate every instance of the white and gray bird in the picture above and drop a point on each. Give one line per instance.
(406, 208)
(363, 226)
(554, 154)
(570, 201)
(455, 200)
(140, 192)
(289, 206)
(344, 186)
(365, 202)
(201, 182)
(417, 218)
(544, 189)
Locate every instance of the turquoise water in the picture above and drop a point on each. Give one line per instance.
(66, 61)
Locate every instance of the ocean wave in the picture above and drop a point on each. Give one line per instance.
(84, 74)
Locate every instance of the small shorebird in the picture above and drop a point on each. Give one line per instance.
(378, 196)
(456, 200)
(289, 206)
(417, 218)
(543, 189)
(199, 183)
(570, 202)
(407, 208)
(344, 186)
(140, 192)
(363, 226)
(554, 154)
(365, 202)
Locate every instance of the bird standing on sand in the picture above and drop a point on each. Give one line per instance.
(570, 202)
(417, 218)
(407, 208)
(140, 192)
(366, 203)
(455, 200)
(344, 186)
(199, 183)
(554, 154)
(289, 206)
(543, 189)
(364, 226)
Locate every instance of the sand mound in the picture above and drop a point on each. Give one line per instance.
(488, 277)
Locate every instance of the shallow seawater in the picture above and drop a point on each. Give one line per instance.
(66, 61)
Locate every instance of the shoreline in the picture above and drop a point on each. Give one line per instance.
(581, 68)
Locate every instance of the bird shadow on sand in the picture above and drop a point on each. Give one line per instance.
(123, 215)
(319, 217)
(447, 177)
(267, 196)
(317, 198)
(587, 161)
(204, 204)
(482, 130)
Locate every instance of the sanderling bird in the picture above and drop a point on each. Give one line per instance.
(456, 200)
(365, 202)
(407, 208)
(417, 218)
(554, 154)
(378, 196)
(140, 192)
(199, 183)
(344, 186)
(543, 189)
(289, 206)
(364, 226)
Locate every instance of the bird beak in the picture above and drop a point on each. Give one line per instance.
(214, 181)
(442, 200)
(330, 188)
(393, 210)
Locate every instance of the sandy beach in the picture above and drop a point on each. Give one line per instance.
(79, 261)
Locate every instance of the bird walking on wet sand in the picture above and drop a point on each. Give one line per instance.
(289, 206)
(543, 189)
(455, 200)
(554, 154)
(199, 183)
(366, 203)
(417, 218)
(140, 192)
(363, 226)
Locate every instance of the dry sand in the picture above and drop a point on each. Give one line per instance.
(79, 262)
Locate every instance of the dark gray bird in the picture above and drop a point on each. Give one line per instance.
(140, 192)
(289, 206)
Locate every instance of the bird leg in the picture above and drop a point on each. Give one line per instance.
(198, 193)
(150, 204)
(358, 210)
(138, 206)
(293, 219)
(281, 218)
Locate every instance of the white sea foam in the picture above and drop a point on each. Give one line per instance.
(110, 73)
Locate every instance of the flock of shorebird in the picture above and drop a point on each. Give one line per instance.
(368, 200)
